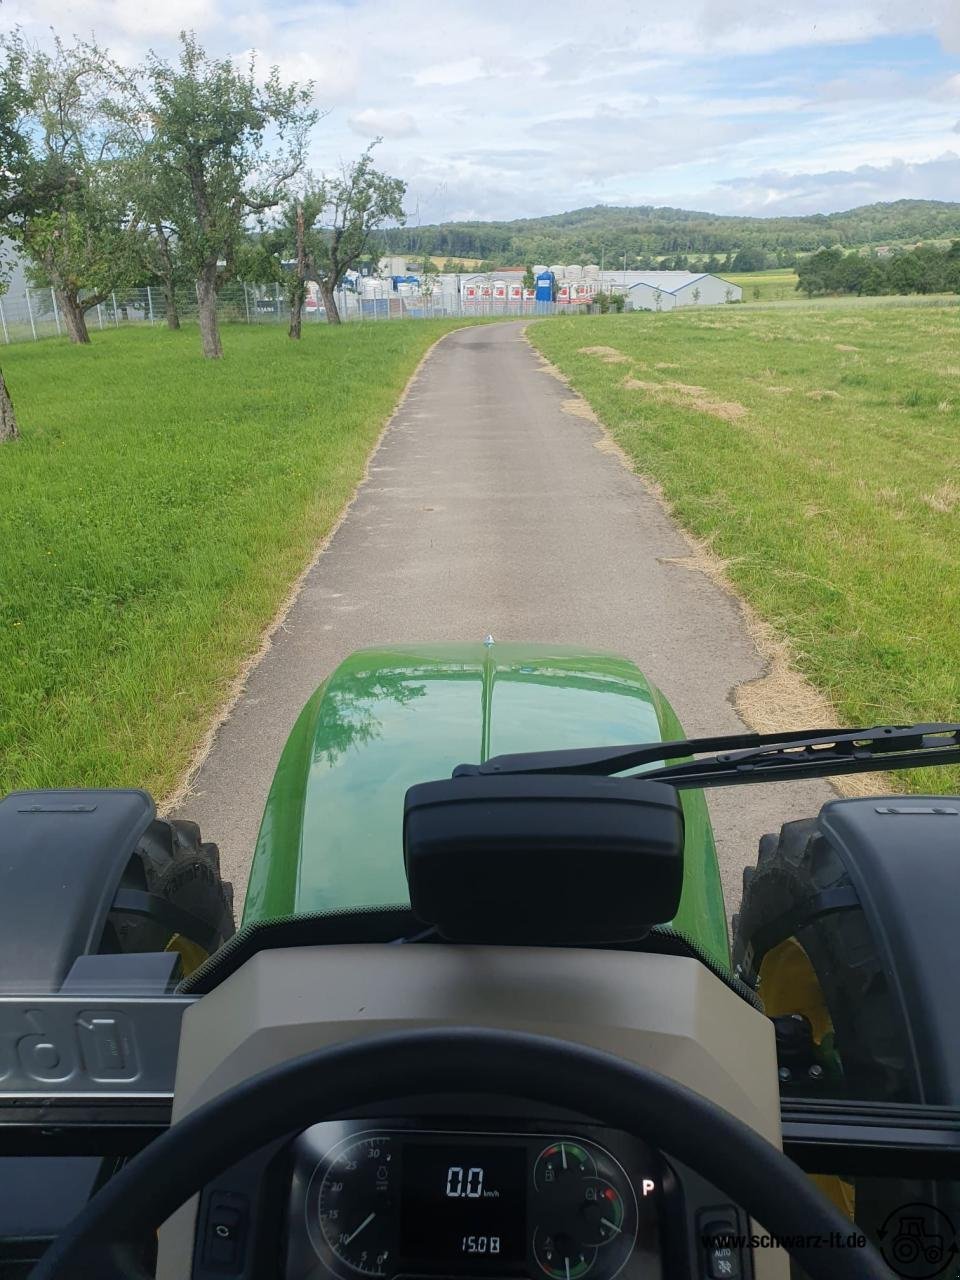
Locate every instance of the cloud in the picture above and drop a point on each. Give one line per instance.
(459, 71)
(334, 70)
(774, 191)
(128, 19)
(505, 110)
(379, 122)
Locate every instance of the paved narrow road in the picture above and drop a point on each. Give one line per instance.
(489, 508)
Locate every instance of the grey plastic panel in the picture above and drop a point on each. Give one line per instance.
(666, 1012)
(89, 1046)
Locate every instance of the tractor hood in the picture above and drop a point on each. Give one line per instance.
(331, 836)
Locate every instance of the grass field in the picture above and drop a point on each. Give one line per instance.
(153, 517)
(765, 286)
(818, 449)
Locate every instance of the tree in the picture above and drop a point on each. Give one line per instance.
(76, 223)
(31, 182)
(288, 248)
(356, 203)
(16, 198)
(696, 295)
(529, 279)
(158, 248)
(749, 260)
(216, 168)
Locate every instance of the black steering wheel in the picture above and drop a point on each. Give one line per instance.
(103, 1240)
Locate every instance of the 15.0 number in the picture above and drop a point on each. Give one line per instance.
(480, 1244)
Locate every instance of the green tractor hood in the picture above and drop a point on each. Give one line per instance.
(331, 836)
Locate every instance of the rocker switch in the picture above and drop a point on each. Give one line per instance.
(722, 1257)
(226, 1228)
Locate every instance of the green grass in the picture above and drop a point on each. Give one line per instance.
(152, 518)
(765, 286)
(836, 496)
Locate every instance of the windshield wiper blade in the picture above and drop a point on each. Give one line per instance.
(749, 757)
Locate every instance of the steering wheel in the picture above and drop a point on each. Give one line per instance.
(103, 1239)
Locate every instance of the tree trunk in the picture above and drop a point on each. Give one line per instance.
(74, 316)
(170, 305)
(329, 303)
(8, 419)
(296, 297)
(209, 328)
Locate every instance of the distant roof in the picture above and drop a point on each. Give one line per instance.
(666, 281)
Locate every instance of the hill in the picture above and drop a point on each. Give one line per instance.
(644, 231)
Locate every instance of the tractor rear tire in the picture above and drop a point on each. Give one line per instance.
(792, 869)
(172, 862)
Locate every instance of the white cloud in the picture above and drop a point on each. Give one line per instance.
(457, 72)
(825, 192)
(498, 109)
(378, 122)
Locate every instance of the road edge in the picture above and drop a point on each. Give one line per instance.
(781, 683)
(184, 786)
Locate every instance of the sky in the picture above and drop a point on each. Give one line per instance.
(518, 108)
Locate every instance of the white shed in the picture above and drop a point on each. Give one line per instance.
(665, 290)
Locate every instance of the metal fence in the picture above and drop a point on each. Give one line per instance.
(33, 314)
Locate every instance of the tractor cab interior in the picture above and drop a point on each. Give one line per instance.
(520, 1072)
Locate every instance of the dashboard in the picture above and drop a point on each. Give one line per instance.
(391, 1202)
(478, 1187)
(490, 1198)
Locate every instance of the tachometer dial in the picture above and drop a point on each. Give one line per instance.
(351, 1207)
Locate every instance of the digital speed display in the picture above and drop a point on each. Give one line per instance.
(464, 1207)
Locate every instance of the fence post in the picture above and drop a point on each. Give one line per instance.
(246, 303)
(3, 322)
(100, 315)
(150, 303)
(56, 312)
(30, 312)
(116, 318)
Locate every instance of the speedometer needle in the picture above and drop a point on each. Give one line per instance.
(365, 1223)
(605, 1222)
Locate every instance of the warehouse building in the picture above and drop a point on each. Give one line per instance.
(665, 290)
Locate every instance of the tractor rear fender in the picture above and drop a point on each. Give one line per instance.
(62, 856)
(902, 854)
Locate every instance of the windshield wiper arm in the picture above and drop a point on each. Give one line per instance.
(749, 757)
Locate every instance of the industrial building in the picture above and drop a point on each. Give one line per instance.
(664, 290)
(565, 286)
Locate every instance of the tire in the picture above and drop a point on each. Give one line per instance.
(792, 869)
(172, 862)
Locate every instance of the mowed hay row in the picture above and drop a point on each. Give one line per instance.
(838, 510)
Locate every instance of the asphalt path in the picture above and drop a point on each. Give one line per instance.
(489, 507)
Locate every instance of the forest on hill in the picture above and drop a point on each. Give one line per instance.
(647, 234)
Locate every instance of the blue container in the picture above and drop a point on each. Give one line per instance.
(546, 286)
